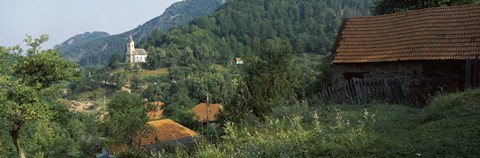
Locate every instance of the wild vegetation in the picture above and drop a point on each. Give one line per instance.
(271, 107)
(447, 127)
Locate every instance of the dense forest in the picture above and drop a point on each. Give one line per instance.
(233, 31)
(96, 48)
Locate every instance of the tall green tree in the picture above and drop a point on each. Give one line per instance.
(391, 6)
(126, 118)
(269, 79)
(28, 86)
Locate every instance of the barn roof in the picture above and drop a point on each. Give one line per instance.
(429, 34)
(201, 111)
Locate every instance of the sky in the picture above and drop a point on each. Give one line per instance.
(62, 19)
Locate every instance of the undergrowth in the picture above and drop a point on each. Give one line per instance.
(448, 127)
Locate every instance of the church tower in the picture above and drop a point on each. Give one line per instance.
(129, 55)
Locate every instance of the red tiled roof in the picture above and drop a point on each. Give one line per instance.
(163, 131)
(201, 111)
(166, 130)
(428, 34)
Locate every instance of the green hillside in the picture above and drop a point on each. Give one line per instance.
(87, 49)
(309, 26)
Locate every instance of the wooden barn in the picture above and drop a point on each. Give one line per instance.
(415, 47)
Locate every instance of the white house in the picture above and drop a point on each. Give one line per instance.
(134, 55)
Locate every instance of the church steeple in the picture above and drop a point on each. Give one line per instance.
(129, 54)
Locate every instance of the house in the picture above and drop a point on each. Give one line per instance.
(412, 46)
(134, 55)
(238, 61)
(165, 133)
(207, 112)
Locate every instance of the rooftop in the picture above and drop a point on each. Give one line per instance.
(166, 130)
(440, 33)
(201, 111)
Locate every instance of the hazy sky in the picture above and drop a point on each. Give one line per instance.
(62, 19)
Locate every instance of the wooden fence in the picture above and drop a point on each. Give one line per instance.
(390, 90)
(361, 91)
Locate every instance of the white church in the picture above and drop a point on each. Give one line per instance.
(134, 55)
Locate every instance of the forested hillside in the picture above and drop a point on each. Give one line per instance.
(93, 51)
(309, 26)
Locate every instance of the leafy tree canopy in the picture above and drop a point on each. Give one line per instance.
(28, 85)
(126, 118)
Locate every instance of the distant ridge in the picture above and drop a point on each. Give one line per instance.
(96, 47)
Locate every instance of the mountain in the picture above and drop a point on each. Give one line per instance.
(307, 26)
(87, 36)
(96, 47)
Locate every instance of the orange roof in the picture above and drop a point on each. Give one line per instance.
(166, 130)
(155, 114)
(428, 34)
(163, 131)
(201, 111)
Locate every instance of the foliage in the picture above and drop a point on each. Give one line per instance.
(308, 26)
(126, 118)
(448, 127)
(29, 86)
(452, 118)
(392, 6)
(270, 78)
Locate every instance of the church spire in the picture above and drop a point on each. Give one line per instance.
(130, 39)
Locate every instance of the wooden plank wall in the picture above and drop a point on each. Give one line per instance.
(389, 90)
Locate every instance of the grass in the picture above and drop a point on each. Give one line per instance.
(148, 73)
(448, 127)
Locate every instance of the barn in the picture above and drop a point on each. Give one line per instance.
(416, 47)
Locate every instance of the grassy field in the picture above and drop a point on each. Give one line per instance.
(449, 127)
(148, 73)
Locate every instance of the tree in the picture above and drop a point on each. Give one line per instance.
(269, 78)
(28, 86)
(126, 118)
(391, 6)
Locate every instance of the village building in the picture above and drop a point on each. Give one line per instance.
(166, 133)
(413, 46)
(238, 61)
(134, 55)
(207, 112)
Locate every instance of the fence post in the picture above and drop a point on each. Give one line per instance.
(386, 88)
(358, 91)
(475, 72)
(468, 73)
(478, 72)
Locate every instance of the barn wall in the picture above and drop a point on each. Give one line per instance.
(379, 70)
(417, 78)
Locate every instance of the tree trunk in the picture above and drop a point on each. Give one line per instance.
(14, 133)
